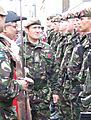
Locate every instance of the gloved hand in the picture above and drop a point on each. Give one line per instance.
(29, 80)
(25, 82)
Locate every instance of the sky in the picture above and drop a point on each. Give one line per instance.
(14, 5)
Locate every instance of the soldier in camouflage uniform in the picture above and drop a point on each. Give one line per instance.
(70, 89)
(41, 64)
(62, 45)
(66, 103)
(84, 75)
(9, 88)
(76, 71)
(71, 48)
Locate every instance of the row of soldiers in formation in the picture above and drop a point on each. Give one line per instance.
(70, 38)
(62, 71)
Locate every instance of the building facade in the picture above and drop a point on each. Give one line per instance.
(53, 7)
(44, 8)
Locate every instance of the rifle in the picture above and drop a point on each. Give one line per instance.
(24, 110)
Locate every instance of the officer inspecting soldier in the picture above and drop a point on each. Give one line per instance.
(9, 88)
(61, 70)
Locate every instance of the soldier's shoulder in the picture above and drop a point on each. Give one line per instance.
(48, 50)
(1, 42)
(1, 39)
(2, 51)
(46, 45)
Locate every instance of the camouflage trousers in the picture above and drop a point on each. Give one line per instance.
(70, 101)
(40, 111)
(45, 111)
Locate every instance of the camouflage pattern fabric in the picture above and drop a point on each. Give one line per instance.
(43, 69)
(76, 73)
(85, 74)
(73, 53)
(9, 88)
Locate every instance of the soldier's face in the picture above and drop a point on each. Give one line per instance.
(11, 30)
(48, 23)
(55, 26)
(76, 23)
(70, 26)
(34, 32)
(85, 24)
(63, 26)
(2, 23)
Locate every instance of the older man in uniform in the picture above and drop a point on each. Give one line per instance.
(9, 88)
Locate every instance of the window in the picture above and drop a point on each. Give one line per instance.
(65, 5)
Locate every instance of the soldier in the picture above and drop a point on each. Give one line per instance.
(9, 89)
(77, 67)
(40, 61)
(85, 28)
(10, 31)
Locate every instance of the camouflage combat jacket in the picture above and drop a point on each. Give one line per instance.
(9, 88)
(40, 60)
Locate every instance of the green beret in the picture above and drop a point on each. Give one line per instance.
(32, 21)
(70, 16)
(85, 13)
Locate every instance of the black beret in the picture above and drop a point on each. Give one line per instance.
(13, 17)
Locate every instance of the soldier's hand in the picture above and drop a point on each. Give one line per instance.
(24, 84)
(29, 80)
(55, 98)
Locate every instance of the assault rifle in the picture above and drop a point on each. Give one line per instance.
(24, 110)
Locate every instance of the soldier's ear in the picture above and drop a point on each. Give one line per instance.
(5, 29)
(26, 30)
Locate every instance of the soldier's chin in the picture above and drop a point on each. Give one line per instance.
(80, 30)
(13, 37)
